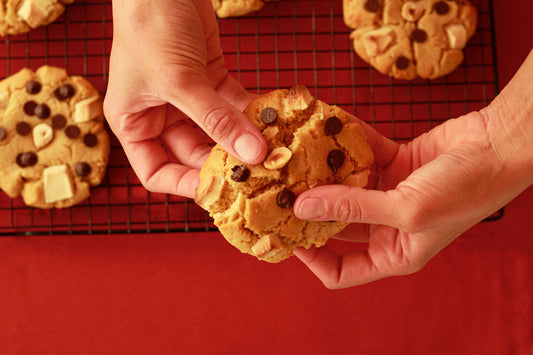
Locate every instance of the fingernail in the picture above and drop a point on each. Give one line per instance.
(248, 147)
(311, 208)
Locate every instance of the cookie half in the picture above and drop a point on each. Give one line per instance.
(53, 143)
(310, 144)
(20, 16)
(411, 38)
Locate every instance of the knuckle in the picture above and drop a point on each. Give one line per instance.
(219, 123)
(348, 210)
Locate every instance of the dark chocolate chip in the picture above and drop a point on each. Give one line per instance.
(26, 159)
(335, 159)
(240, 173)
(333, 126)
(23, 128)
(64, 92)
(286, 198)
(402, 62)
(58, 121)
(83, 169)
(90, 140)
(72, 131)
(42, 111)
(269, 115)
(29, 108)
(372, 5)
(33, 87)
(419, 36)
(3, 133)
(442, 8)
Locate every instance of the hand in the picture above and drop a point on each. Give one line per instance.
(167, 66)
(428, 191)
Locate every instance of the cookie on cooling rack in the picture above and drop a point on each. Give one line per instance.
(310, 144)
(20, 16)
(234, 8)
(53, 144)
(411, 38)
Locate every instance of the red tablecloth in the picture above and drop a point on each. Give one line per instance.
(193, 293)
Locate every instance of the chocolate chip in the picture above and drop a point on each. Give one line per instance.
(269, 115)
(372, 5)
(240, 173)
(3, 133)
(29, 107)
(90, 140)
(333, 126)
(64, 92)
(286, 198)
(83, 169)
(335, 159)
(441, 8)
(33, 87)
(419, 36)
(58, 121)
(72, 131)
(23, 128)
(42, 111)
(26, 159)
(402, 62)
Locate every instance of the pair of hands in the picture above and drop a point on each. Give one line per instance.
(167, 71)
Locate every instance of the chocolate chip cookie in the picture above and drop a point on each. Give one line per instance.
(411, 38)
(53, 144)
(310, 143)
(20, 16)
(234, 8)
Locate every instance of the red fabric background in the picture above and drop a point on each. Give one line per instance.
(193, 293)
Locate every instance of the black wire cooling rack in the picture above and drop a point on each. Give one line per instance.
(288, 42)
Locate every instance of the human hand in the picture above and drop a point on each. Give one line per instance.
(167, 66)
(428, 191)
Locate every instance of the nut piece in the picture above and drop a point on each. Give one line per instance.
(57, 183)
(457, 36)
(359, 179)
(278, 158)
(299, 98)
(208, 191)
(42, 135)
(377, 41)
(266, 246)
(35, 12)
(88, 109)
(412, 10)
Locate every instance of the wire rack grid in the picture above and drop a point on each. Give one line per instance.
(288, 42)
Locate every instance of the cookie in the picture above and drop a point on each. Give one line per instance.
(20, 16)
(234, 8)
(53, 144)
(310, 144)
(411, 38)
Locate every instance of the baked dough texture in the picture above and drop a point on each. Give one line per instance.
(20, 16)
(310, 143)
(53, 143)
(411, 38)
(235, 8)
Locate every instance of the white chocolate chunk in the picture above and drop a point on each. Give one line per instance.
(359, 179)
(299, 98)
(278, 158)
(42, 135)
(412, 10)
(377, 41)
(57, 183)
(88, 109)
(35, 12)
(208, 191)
(457, 36)
(266, 246)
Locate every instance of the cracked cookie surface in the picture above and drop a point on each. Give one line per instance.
(310, 143)
(411, 38)
(53, 144)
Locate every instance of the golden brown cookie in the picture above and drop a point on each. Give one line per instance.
(411, 38)
(53, 144)
(234, 8)
(310, 143)
(20, 16)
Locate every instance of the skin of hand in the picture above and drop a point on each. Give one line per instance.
(168, 79)
(428, 192)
